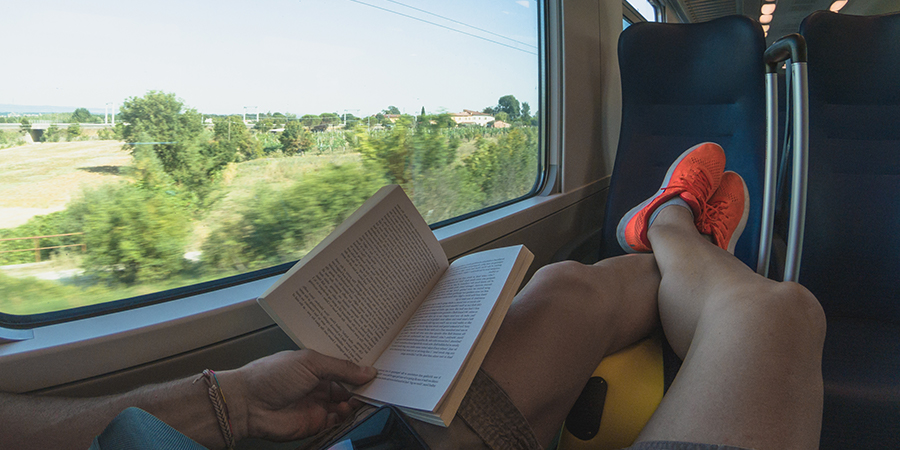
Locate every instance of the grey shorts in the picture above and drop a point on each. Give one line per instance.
(488, 419)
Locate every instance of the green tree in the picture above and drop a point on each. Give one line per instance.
(106, 133)
(510, 105)
(505, 168)
(406, 153)
(391, 110)
(73, 131)
(310, 120)
(234, 139)
(264, 125)
(160, 121)
(350, 120)
(391, 151)
(330, 119)
(81, 115)
(51, 134)
(278, 226)
(132, 234)
(295, 138)
(25, 124)
(526, 113)
(432, 149)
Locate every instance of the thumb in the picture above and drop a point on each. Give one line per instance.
(333, 369)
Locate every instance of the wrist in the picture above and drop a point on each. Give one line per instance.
(233, 388)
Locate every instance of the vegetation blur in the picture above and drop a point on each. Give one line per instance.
(202, 201)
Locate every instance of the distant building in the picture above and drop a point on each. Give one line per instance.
(472, 117)
(499, 124)
(392, 117)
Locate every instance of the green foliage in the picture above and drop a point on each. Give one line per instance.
(159, 120)
(182, 145)
(391, 110)
(73, 131)
(82, 115)
(147, 171)
(132, 234)
(404, 153)
(310, 120)
(10, 139)
(277, 226)
(264, 125)
(391, 151)
(31, 295)
(330, 118)
(270, 143)
(510, 105)
(106, 134)
(25, 124)
(51, 134)
(235, 139)
(506, 168)
(60, 222)
(296, 139)
(136, 233)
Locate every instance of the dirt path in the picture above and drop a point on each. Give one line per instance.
(41, 178)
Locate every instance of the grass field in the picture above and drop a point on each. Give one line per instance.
(41, 178)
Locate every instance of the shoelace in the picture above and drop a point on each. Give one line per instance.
(699, 186)
(712, 220)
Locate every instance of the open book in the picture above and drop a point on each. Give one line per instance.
(379, 291)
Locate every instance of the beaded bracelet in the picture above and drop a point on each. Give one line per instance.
(217, 397)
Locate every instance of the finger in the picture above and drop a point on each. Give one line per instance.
(332, 420)
(339, 393)
(328, 368)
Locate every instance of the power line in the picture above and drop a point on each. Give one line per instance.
(462, 23)
(445, 27)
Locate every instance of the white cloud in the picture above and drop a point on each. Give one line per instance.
(523, 3)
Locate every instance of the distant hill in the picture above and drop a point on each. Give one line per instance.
(35, 109)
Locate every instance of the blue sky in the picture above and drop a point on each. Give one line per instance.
(297, 56)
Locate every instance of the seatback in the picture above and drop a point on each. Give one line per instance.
(683, 84)
(851, 251)
(851, 248)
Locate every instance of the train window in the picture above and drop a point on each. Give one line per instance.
(645, 9)
(161, 148)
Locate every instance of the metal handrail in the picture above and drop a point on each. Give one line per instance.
(793, 48)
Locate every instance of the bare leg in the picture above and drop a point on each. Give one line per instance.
(752, 347)
(565, 320)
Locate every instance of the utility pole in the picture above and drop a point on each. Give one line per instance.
(345, 115)
(245, 113)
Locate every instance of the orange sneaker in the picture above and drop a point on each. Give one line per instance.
(693, 177)
(725, 215)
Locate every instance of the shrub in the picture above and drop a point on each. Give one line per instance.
(278, 226)
(132, 234)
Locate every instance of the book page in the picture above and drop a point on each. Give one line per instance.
(424, 359)
(349, 298)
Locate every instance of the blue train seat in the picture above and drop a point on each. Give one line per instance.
(851, 250)
(682, 84)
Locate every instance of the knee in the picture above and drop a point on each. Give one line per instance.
(790, 310)
(567, 286)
